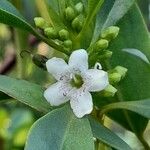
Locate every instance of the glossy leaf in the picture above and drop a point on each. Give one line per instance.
(137, 81)
(106, 136)
(10, 15)
(60, 130)
(26, 92)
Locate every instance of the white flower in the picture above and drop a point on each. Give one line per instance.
(75, 82)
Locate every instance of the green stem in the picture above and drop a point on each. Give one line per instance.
(91, 16)
(143, 141)
(21, 43)
(42, 8)
(52, 44)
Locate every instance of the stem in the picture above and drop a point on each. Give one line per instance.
(143, 141)
(52, 44)
(21, 44)
(42, 8)
(96, 144)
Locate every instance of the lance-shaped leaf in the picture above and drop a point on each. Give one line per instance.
(119, 9)
(26, 92)
(10, 15)
(142, 107)
(110, 14)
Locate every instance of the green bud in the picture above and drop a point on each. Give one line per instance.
(40, 61)
(40, 22)
(70, 13)
(79, 7)
(110, 33)
(114, 77)
(68, 43)
(101, 44)
(51, 33)
(106, 54)
(109, 91)
(121, 70)
(63, 34)
(77, 24)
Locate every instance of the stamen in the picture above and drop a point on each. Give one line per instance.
(76, 80)
(98, 66)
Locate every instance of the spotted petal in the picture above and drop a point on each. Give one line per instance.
(82, 104)
(57, 67)
(96, 80)
(79, 60)
(56, 94)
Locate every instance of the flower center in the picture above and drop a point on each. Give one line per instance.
(76, 80)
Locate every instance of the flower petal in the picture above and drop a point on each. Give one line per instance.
(82, 104)
(96, 80)
(56, 94)
(79, 60)
(57, 67)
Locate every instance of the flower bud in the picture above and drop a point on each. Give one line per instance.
(63, 34)
(106, 54)
(110, 33)
(40, 22)
(77, 24)
(70, 13)
(68, 43)
(40, 61)
(121, 70)
(109, 91)
(101, 44)
(114, 77)
(79, 7)
(50, 32)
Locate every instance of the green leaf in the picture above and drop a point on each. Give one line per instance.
(137, 53)
(89, 24)
(10, 15)
(93, 8)
(137, 81)
(119, 9)
(111, 13)
(54, 13)
(142, 107)
(26, 92)
(60, 130)
(106, 136)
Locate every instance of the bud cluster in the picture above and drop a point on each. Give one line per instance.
(61, 36)
(100, 47)
(74, 18)
(74, 15)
